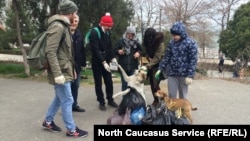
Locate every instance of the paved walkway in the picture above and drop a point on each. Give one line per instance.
(24, 103)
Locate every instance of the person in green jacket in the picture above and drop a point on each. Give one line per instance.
(61, 70)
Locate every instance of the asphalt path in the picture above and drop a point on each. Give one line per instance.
(25, 102)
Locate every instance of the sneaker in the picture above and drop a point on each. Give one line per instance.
(102, 107)
(77, 133)
(52, 126)
(78, 109)
(112, 104)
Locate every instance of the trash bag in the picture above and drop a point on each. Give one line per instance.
(137, 115)
(116, 119)
(157, 115)
(175, 120)
(132, 100)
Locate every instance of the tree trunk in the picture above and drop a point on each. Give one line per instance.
(19, 37)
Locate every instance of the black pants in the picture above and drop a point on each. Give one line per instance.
(74, 89)
(154, 84)
(99, 72)
(220, 66)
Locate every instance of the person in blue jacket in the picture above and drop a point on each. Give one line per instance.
(179, 62)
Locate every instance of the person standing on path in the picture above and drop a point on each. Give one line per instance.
(237, 67)
(61, 70)
(153, 43)
(179, 62)
(128, 51)
(80, 62)
(102, 56)
(221, 62)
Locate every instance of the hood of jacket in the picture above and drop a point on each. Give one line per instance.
(58, 18)
(179, 29)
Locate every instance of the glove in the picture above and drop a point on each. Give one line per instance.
(114, 61)
(144, 68)
(188, 80)
(60, 80)
(157, 75)
(106, 66)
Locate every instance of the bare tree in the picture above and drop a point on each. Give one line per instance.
(147, 13)
(204, 35)
(19, 37)
(221, 13)
(186, 11)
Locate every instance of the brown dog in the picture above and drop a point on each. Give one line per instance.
(175, 104)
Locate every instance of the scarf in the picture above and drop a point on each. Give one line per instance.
(129, 43)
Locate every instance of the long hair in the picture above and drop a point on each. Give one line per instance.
(152, 41)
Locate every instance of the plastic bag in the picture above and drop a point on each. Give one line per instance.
(176, 120)
(157, 115)
(132, 100)
(137, 115)
(116, 119)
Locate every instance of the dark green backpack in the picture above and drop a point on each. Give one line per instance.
(37, 58)
(86, 40)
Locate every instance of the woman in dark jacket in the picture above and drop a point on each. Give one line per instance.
(154, 47)
(128, 51)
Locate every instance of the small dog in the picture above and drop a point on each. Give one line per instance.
(176, 104)
(135, 81)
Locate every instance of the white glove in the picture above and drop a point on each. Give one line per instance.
(60, 80)
(114, 61)
(188, 80)
(144, 68)
(106, 66)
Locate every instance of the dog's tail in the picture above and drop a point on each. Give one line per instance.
(121, 93)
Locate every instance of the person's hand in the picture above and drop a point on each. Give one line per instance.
(121, 52)
(188, 80)
(137, 55)
(60, 80)
(106, 66)
(114, 61)
(144, 68)
(157, 75)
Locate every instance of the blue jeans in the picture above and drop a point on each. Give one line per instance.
(74, 88)
(63, 98)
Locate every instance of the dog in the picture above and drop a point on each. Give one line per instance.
(181, 106)
(135, 81)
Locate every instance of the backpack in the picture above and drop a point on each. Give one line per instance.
(86, 39)
(37, 58)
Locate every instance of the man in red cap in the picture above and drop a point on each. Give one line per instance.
(102, 55)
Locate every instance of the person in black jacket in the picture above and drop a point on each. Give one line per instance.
(102, 56)
(80, 62)
(128, 51)
(154, 47)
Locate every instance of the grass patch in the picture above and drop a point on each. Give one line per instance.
(16, 70)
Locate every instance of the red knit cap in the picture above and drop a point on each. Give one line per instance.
(107, 20)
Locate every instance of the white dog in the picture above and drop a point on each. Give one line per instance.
(136, 81)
